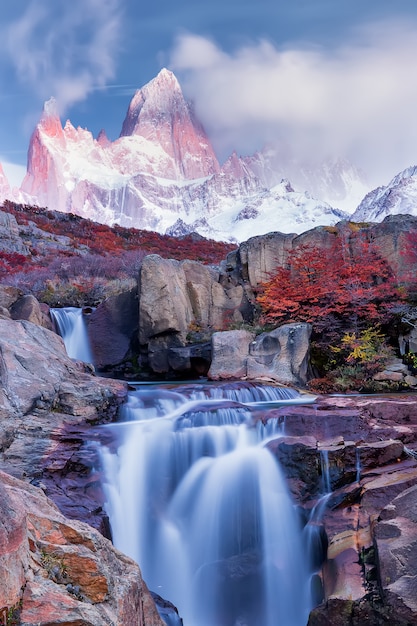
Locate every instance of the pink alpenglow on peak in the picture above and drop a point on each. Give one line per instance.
(159, 113)
(163, 171)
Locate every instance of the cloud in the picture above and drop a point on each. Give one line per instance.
(65, 49)
(14, 173)
(357, 100)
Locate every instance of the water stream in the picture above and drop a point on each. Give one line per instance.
(71, 326)
(197, 499)
(200, 503)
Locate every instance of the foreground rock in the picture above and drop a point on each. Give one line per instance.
(49, 407)
(355, 458)
(56, 571)
(47, 404)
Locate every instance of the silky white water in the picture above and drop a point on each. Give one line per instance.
(71, 326)
(200, 503)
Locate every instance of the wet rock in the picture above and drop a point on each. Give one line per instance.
(396, 544)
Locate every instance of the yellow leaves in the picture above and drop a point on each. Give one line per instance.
(364, 347)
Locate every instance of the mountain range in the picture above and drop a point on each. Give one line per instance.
(162, 174)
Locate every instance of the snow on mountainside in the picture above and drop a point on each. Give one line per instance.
(336, 181)
(398, 197)
(162, 173)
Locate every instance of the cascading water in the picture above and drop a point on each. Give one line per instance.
(200, 503)
(72, 328)
(314, 535)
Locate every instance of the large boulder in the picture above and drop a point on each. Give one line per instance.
(28, 308)
(57, 571)
(9, 295)
(180, 304)
(230, 352)
(280, 355)
(164, 307)
(113, 328)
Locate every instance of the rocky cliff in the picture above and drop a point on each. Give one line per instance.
(57, 569)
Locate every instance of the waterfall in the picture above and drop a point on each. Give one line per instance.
(200, 503)
(71, 326)
(358, 465)
(315, 538)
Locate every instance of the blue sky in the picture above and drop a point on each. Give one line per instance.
(323, 76)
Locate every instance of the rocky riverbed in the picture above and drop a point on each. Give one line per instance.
(49, 408)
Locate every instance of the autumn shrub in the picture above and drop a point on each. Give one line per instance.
(348, 298)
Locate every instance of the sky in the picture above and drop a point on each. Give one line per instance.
(323, 77)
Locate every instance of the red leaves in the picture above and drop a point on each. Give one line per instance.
(12, 262)
(106, 240)
(321, 282)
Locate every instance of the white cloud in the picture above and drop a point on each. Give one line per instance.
(14, 173)
(65, 49)
(357, 100)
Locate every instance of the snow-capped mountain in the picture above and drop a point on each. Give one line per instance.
(162, 174)
(398, 197)
(334, 180)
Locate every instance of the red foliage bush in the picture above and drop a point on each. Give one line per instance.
(324, 283)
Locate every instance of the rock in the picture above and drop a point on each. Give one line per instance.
(10, 240)
(388, 375)
(47, 402)
(200, 281)
(379, 491)
(230, 351)
(68, 572)
(28, 308)
(113, 328)
(259, 256)
(396, 544)
(195, 358)
(281, 355)
(299, 459)
(176, 302)
(9, 295)
(163, 303)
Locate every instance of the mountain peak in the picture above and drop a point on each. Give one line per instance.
(50, 108)
(50, 122)
(159, 113)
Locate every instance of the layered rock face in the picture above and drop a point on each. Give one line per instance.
(55, 569)
(351, 464)
(69, 572)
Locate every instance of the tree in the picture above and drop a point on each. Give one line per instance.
(320, 284)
